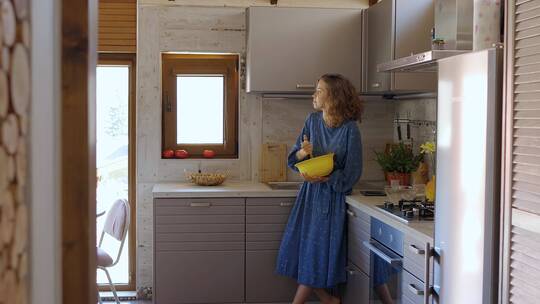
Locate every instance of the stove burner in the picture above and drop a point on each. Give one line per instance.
(408, 210)
(388, 205)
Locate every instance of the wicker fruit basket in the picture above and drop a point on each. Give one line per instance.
(206, 179)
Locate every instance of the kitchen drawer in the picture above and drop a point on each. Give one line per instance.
(199, 246)
(197, 202)
(265, 227)
(264, 237)
(267, 219)
(358, 254)
(199, 209)
(199, 237)
(269, 210)
(270, 201)
(358, 232)
(199, 219)
(412, 288)
(268, 245)
(355, 213)
(405, 300)
(199, 277)
(414, 256)
(357, 288)
(198, 228)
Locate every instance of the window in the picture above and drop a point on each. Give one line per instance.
(115, 157)
(200, 103)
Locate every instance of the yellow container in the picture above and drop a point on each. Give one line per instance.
(317, 166)
(430, 190)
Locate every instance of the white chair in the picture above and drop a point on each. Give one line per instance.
(116, 226)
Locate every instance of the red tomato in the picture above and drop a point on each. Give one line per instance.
(208, 154)
(169, 153)
(181, 154)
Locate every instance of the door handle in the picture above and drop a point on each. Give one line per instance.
(349, 212)
(283, 204)
(394, 261)
(305, 86)
(200, 204)
(416, 250)
(352, 272)
(414, 290)
(375, 85)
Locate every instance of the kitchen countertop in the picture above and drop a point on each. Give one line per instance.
(422, 230)
(227, 189)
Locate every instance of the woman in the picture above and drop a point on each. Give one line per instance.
(313, 248)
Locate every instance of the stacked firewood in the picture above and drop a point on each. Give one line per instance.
(14, 120)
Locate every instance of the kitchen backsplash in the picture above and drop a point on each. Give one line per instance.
(420, 110)
(282, 120)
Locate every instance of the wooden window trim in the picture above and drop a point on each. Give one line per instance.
(174, 64)
(128, 59)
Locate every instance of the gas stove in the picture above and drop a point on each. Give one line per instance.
(408, 211)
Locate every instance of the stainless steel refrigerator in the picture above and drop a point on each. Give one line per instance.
(468, 178)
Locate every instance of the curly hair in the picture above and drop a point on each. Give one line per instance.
(344, 102)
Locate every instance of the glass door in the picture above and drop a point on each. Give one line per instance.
(115, 159)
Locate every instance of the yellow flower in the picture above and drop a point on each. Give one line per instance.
(428, 147)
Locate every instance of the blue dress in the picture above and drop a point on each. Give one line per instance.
(313, 248)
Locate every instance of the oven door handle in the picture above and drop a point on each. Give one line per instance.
(375, 248)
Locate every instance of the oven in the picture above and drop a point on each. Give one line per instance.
(386, 263)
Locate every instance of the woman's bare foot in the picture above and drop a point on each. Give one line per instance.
(325, 297)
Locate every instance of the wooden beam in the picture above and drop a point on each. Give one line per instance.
(78, 167)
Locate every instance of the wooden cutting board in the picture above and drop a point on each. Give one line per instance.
(273, 165)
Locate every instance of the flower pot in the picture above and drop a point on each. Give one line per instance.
(403, 178)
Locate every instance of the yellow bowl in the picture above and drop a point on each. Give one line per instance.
(317, 166)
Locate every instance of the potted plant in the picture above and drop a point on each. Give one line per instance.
(398, 162)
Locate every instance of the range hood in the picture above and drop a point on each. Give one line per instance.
(421, 62)
(453, 24)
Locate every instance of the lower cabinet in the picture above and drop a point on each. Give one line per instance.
(199, 277)
(262, 284)
(357, 289)
(220, 250)
(199, 250)
(266, 219)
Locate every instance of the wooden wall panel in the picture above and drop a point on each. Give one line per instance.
(117, 26)
(78, 150)
(14, 112)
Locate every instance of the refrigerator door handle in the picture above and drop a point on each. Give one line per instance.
(427, 269)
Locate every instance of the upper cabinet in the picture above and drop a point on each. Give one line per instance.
(395, 29)
(288, 49)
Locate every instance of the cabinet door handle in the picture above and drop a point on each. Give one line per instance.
(305, 86)
(416, 250)
(352, 272)
(427, 271)
(200, 204)
(375, 85)
(415, 290)
(349, 212)
(284, 204)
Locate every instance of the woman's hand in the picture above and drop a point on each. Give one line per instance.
(314, 179)
(306, 149)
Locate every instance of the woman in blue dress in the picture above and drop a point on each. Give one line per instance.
(313, 247)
